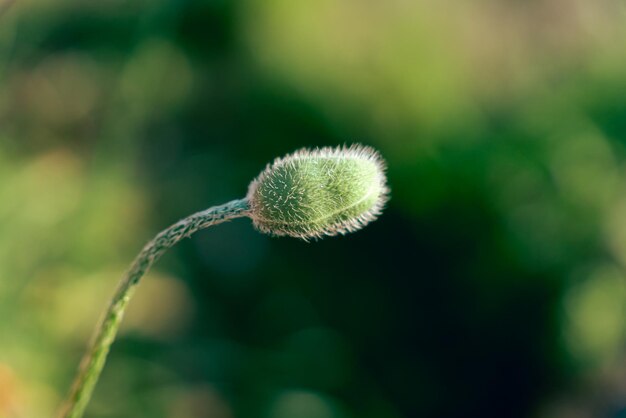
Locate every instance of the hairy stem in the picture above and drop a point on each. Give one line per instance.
(95, 357)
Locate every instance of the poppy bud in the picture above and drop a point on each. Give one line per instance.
(312, 193)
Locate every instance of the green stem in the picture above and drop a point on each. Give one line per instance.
(95, 357)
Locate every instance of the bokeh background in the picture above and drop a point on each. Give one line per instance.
(493, 286)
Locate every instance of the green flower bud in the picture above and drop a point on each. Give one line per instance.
(312, 193)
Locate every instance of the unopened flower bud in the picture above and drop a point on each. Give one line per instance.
(312, 193)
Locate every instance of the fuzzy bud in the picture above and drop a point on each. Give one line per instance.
(312, 193)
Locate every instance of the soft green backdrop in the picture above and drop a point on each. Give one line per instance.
(493, 286)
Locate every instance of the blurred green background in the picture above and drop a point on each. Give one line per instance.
(493, 285)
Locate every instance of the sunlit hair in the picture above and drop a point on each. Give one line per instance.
(325, 191)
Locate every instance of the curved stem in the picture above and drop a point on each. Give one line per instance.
(95, 357)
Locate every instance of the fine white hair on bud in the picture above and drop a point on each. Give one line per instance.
(313, 193)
